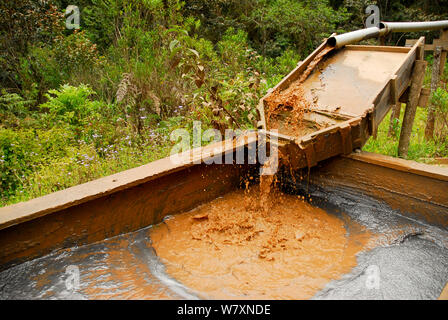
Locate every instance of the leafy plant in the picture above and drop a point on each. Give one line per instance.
(71, 105)
(13, 107)
(440, 101)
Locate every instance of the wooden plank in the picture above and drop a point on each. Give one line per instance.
(377, 48)
(382, 106)
(396, 111)
(345, 132)
(443, 37)
(412, 42)
(398, 82)
(404, 72)
(403, 165)
(397, 182)
(126, 211)
(443, 43)
(430, 47)
(393, 89)
(311, 149)
(420, 50)
(424, 97)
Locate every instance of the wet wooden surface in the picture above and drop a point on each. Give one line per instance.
(417, 190)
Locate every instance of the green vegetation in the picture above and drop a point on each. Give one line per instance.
(76, 105)
(420, 149)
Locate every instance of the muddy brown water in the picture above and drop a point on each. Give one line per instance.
(321, 248)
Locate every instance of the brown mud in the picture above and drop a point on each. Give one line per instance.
(292, 100)
(332, 89)
(233, 248)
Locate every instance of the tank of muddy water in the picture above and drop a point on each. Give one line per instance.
(333, 244)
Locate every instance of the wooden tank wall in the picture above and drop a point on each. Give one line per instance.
(417, 190)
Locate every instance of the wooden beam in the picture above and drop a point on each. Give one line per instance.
(422, 101)
(393, 89)
(396, 104)
(444, 38)
(418, 76)
(429, 130)
(359, 47)
(396, 111)
(429, 47)
(424, 97)
(421, 50)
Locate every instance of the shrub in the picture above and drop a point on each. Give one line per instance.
(440, 101)
(13, 107)
(71, 105)
(22, 152)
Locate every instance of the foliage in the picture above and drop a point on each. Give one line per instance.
(70, 105)
(440, 101)
(76, 105)
(24, 23)
(272, 26)
(13, 109)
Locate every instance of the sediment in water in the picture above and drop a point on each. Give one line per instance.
(292, 99)
(234, 248)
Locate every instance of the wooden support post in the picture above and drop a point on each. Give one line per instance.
(396, 111)
(418, 76)
(435, 78)
(396, 104)
(443, 36)
(420, 52)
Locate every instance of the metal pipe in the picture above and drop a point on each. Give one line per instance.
(385, 28)
(413, 26)
(354, 36)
